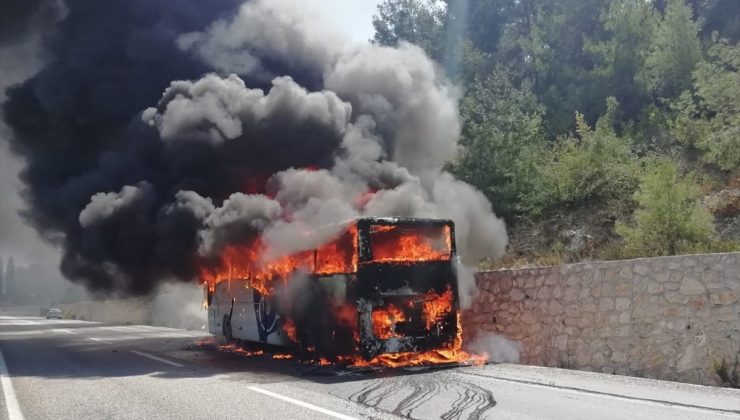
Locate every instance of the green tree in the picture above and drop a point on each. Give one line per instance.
(721, 16)
(594, 167)
(674, 52)
(542, 41)
(629, 25)
(670, 218)
(416, 21)
(501, 139)
(554, 52)
(708, 117)
(484, 22)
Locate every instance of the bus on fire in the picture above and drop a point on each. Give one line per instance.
(380, 286)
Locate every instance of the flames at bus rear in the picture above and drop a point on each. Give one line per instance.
(397, 304)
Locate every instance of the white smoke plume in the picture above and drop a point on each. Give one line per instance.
(498, 348)
(105, 205)
(466, 286)
(178, 305)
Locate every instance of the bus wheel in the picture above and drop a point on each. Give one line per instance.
(227, 328)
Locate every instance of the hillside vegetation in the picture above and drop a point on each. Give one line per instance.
(599, 129)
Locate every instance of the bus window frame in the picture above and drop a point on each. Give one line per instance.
(364, 247)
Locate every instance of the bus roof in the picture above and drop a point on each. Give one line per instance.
(404, 220)
(392, 221)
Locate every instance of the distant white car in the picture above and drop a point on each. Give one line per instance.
(54, 313)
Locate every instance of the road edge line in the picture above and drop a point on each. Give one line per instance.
(11, 402)
(302, 404)
(159, 359)
(576, 390)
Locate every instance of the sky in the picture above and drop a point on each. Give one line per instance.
(352, 17)
(17, 240)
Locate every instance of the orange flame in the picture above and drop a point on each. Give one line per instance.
(248, 262)
(384, 322)
(451, 354)
(390, 243)
(339, 255)
(436, 306)
(282, 356)
(233, 348)
(290, 331)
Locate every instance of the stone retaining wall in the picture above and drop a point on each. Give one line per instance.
(674, 318)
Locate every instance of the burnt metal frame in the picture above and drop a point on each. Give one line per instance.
(369, 292)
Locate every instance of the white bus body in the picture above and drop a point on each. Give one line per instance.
(253, 318)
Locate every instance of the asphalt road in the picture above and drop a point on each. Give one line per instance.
(64, 369)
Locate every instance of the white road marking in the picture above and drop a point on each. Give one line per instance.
(15, 321)
(582, 392)
(165, 330)
(36, 332)
(159, 359)
(302, 404)
(99, 340)
(178, 335)
(123, 328)
(150, 331)
(152, 328)
(11, 403)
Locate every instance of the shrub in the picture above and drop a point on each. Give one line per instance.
(596, 166)
(670, 218)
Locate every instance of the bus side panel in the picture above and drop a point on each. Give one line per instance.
(253, 318)
(220, 306)
(212, 320)
(209, 302)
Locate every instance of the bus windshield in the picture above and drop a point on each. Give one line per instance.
(407, 242)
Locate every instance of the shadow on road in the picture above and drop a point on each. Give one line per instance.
(96, 350)
(74, 351)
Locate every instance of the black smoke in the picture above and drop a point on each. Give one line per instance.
(75, 124)
(159, 131)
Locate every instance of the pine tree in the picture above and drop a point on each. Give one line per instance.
(674, 53)
(670, 218)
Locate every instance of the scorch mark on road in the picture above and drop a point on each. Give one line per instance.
(471, 402)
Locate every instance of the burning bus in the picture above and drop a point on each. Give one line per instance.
(380, 291)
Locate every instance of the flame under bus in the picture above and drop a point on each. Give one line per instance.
(380, 286)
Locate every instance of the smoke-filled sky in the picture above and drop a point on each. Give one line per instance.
(352, 17)
(20, 58)
(154, 133)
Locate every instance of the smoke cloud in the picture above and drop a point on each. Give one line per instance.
(266, 38)
(22, 24)
(157, 134)
(498, 348)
